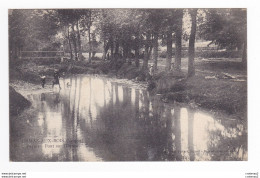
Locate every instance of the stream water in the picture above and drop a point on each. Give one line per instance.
(98, 119)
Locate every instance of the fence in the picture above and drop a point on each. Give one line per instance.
(41, 54)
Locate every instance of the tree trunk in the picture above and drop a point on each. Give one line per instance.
(146, 52)
(155, 50)
(104, 50)
(71, 55)
(137, 62)
(178, 44)
(191, 69)
(79, 42)
(89, 38)
(117, 47)
(146, 56)
(125, 51)
(112, 49)
(89, 43)
(136, 103)
(169, 50)
(75, 43)
(93, 54)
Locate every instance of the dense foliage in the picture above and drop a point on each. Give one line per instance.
(125, 33)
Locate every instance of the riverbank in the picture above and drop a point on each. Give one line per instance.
(17, 102)
(217, 86)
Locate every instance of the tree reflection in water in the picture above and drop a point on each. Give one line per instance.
(101, 119)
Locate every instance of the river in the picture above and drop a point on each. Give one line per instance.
(94, 118)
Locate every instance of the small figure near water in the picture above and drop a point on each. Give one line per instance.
(172, 66)
(151, 70)
(56, 78)
(43, 80)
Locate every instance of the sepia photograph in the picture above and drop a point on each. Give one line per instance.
(128, 84)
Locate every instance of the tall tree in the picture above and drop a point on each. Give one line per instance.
(173, 23)
(121, 32)
(136, 48)
(147, 50)
(67, 18)
(74, 40)
(79, 41)
(155, 48)
(156, 20)
(69, 42)
(89, 24)
(77, 16)
(31, 30)
(169, 49)
(191, 69)
(178, 39)
(226, 28)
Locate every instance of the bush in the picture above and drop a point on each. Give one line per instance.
(169, 82)
(151, 86)
(128, 71)
(178, 86)
(104, 67)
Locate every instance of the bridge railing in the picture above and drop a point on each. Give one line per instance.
(41, 54)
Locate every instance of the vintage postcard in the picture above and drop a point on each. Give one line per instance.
(128, 84)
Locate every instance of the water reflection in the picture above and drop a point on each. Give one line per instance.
(96, 119)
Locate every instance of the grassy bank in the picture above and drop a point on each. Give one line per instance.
(212, 94)
(217, 85)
